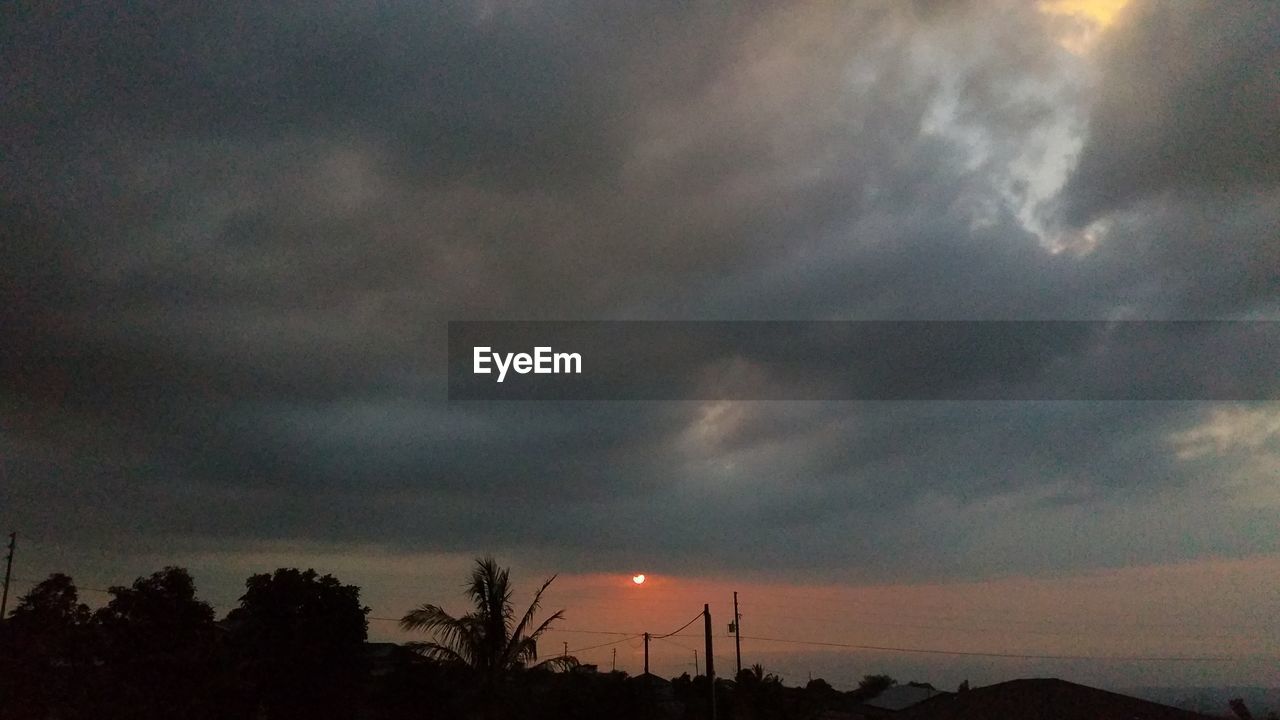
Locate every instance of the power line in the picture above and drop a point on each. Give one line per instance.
(932, 651)
(78, 586)
(1071, 628)
(550, 630)
(603, 645)
(1099, 630)
(682, 646)
(109, 591)
(1004, 620)
(695, 619)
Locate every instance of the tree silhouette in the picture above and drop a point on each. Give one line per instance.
(54, 603)
(299, 638)
(872, 685)
(157, 629)
(1240, 709)
(157, 615)
(758, 693)
(486, 640)
(755, 676)
(44, 651)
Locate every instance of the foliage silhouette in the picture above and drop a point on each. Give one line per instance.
(44, 651)
(758, 693)
(485, 639)
(872, 685)
(298, 639)
(158, 651)
(819, 686)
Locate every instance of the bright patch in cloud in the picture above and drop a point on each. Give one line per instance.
(1102, 12)
(1230, 430)
(1090, 18)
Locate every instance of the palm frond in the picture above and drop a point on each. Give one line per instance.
(546, 624)
(436, 651)
(430, 618)
(560, 663)
(485, 638)
(490, 589)
(461, 635)
(519, 630)
(490, 593)
(524, 649)
(523, 652)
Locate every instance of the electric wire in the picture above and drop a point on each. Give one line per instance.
(1021, 656)
(682, 627)
(603, 645)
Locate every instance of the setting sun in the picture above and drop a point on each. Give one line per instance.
(638, 579)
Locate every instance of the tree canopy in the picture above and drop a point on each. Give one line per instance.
(488, 640)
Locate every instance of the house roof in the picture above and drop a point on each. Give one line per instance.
(1044, 698)
(900, 697)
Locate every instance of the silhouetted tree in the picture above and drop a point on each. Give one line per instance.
(755, 676)
(158, 653)
(53, 604)
(872, 685)
(1240, 709)
(299, 638)
(923, 685)
(45, 651)
(820, 686)
(488, 641)
(757, 694)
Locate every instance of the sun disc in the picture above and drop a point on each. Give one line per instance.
(638, 579)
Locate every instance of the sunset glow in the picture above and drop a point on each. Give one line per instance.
(929, 353)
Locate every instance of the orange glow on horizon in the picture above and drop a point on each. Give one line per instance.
(1222, 607)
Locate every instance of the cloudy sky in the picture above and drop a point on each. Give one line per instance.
(232, 238)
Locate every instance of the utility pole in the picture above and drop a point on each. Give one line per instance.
(614, 665)
(711, 658)
(646, 653)
(696, 671)
(8, 568)
(737, 632)
(566, 648)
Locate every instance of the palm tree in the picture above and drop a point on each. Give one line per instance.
(484, 639)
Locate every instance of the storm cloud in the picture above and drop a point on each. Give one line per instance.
(233, 238)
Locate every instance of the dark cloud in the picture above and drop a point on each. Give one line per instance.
(1186, 105)
(232, 238)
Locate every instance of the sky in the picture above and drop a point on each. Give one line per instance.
(233, 236)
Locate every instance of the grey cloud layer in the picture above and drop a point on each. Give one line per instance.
(1187, 106)
(232, 238)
